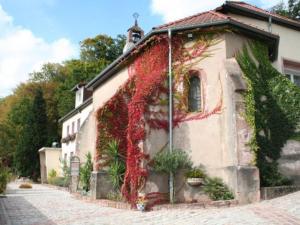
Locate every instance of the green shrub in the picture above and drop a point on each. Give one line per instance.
(58, 181)
(4, 178)
(52, 173)
(66, 173)
(217, 190)
(171, 162)
(116, 164)
(195, 173)
(85, 172)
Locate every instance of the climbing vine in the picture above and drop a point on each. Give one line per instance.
(272, 110)
(143, 99)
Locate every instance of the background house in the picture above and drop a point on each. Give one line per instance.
(74, 122)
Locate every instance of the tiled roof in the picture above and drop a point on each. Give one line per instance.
(200, 18)
(216, 15)
(259, 10)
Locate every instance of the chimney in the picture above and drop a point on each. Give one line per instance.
(134, 34)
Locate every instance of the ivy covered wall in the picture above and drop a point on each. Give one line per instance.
(272, 110)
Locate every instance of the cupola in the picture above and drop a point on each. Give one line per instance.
(134, 34)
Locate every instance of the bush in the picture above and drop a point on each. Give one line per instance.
(66, 173)
(52, 173)
(58, 181)
(217, 190)
(4, 178)
(170, 162)
(85, 172)
(195, 173)
(116, 164)
(25, 186)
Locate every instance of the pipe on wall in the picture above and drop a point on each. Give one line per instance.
(171, 179)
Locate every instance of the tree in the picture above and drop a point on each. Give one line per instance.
(102, 47)
(292, 9)
(33, 136)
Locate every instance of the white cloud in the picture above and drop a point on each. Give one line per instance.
(22, 52)
(176, 9)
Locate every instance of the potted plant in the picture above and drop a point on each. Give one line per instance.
(195, 177)
(141, 203)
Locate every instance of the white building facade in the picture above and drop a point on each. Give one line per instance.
(73, 122)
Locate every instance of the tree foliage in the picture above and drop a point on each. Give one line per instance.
(32, 137)
(291, 9)
(19, 133)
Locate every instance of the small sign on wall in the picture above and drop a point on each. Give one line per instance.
(75, 166)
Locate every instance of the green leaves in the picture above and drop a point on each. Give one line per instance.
(272, 109)
(170, 162)
(116, 172)
(85, 172)
(116, 164)
(217, 190)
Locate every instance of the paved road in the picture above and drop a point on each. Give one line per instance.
(44, 205)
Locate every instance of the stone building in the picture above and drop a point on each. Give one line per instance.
(213, 131)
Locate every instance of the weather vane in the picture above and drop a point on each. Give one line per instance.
(135, 15)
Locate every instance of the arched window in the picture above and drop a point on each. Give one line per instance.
(194, 95)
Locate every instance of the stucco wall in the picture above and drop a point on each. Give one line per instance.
(49, 160)
(43, 167)
(100, 96)
(69, 147)
(218, 142)
(105, 91)
(52, 160)
(289, 43)
(86, 138)
(289, 162)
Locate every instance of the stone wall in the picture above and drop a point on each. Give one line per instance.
(100, 185)
(289, 163)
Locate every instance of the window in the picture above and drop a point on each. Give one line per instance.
(292, 71)
(73, 127)
(194, 94)
(68, 130)
(78, 124)
(65, 157)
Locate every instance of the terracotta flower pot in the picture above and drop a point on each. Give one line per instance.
(195, 181)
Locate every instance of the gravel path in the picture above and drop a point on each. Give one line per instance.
(43, 205)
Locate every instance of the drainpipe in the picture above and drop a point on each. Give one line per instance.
(171, 180)
(270, 24)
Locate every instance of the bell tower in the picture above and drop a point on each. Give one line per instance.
(134, 34)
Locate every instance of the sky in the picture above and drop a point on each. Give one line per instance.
(34, 32)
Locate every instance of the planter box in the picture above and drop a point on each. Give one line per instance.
(195, 181)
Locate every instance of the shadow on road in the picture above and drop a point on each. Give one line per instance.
(17, 210)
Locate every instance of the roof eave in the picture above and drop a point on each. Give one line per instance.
(111, 68)
(76, 110)
(106, 73)
(232, 7)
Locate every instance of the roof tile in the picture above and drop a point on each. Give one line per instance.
(205, 17)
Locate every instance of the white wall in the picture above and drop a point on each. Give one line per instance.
(69, 147)
(289, 43)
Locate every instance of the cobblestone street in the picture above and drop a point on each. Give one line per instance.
(44, 205)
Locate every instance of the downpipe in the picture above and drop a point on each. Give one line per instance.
(171, 177)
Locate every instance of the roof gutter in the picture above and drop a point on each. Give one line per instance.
(112, 68)
(76, 110)
(287, 23)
